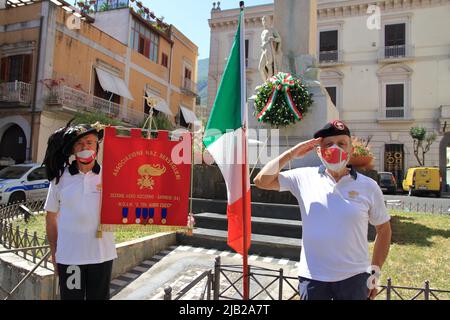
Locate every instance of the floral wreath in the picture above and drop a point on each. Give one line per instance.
(282, 100)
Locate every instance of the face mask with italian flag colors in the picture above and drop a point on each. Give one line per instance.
(334, 158)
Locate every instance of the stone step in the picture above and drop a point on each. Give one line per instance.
(263, 226)
(262, 245)
(259, 209)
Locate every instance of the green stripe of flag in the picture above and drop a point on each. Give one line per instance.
(226, 111)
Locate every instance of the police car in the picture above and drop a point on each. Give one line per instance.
(23, 182)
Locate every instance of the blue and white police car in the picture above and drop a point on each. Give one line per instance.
(23, 182)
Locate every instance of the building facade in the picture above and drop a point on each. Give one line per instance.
(57, 60)
(385, 67)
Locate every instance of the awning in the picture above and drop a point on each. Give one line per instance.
(188, 115)
(113, 84)
(160, 104)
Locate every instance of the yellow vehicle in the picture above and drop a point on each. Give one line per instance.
(423, 180)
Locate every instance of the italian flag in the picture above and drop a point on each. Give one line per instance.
(226, 140)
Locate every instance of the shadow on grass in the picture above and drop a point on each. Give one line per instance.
(406, 231)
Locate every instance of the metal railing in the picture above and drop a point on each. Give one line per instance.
(417, 207)
(329, 56)
(394, 292)
(78, 100)
(17, 91)
(27, 245)
(275, 285)
(396, 52)
(30, 247)
(395, 112)
(189, 85)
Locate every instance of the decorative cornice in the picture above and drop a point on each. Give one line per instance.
(328, 10)
(359, 7)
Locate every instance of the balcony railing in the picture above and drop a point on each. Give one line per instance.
(330, 56)
(80, 101)
(15, 92)
(395, 112)
(189, 86)
(396, 52)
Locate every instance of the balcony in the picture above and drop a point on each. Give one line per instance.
(189, 87)
(15, 94)
(444, 119)
(328, 58)
(394, 115)
(74, 100)
(395, 53)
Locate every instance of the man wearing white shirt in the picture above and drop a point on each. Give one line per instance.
(336, 205)
(82, 261)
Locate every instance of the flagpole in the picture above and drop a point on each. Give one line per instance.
(244, 117)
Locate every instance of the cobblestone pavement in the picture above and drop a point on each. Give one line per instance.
(178, 266)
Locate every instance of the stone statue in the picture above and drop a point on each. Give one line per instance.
(270, 62)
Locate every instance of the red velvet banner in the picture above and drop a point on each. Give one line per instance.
(145, 181)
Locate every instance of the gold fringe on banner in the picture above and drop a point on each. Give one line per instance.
(151, 228)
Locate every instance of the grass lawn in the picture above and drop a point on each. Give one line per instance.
(420, 251)
(420, 248)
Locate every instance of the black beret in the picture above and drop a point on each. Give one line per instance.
(333, 128)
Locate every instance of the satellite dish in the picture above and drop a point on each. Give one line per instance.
(73, 22)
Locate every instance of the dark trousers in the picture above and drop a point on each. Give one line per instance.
(85, 282)
(354, 288)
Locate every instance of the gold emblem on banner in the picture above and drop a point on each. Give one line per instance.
(147, 172)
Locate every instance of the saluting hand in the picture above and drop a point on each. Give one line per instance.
(305, 147)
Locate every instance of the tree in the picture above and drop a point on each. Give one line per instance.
(422, 143)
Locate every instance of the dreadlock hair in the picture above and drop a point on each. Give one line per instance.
(55, 160)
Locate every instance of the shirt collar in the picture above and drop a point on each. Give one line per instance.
(353, 172)
(73, 168)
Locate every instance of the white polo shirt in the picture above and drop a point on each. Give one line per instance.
(335, 219)
(76, 200)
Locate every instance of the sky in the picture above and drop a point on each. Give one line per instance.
(191, 17)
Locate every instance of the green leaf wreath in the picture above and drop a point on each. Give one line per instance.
(282, 100)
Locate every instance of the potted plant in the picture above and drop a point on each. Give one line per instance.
(362, 157)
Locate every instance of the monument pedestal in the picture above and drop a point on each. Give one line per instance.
(319, 113)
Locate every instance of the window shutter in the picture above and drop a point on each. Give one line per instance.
(4, 69)
(26, 71)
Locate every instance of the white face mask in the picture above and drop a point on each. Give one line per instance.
(85, 156)
(334, 158)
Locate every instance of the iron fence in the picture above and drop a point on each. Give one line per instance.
(224, 283)
(418, 207)
(27, 245)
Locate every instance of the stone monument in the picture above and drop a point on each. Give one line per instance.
(296, 23)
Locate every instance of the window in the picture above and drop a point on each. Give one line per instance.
(395, 40)
(179, 118)
(144, 41)
(187, 73)
(99, 92)
(37, 174)
(16, 67)
(328, 50)
(332, 92)
(395, 102)
(165, 60)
